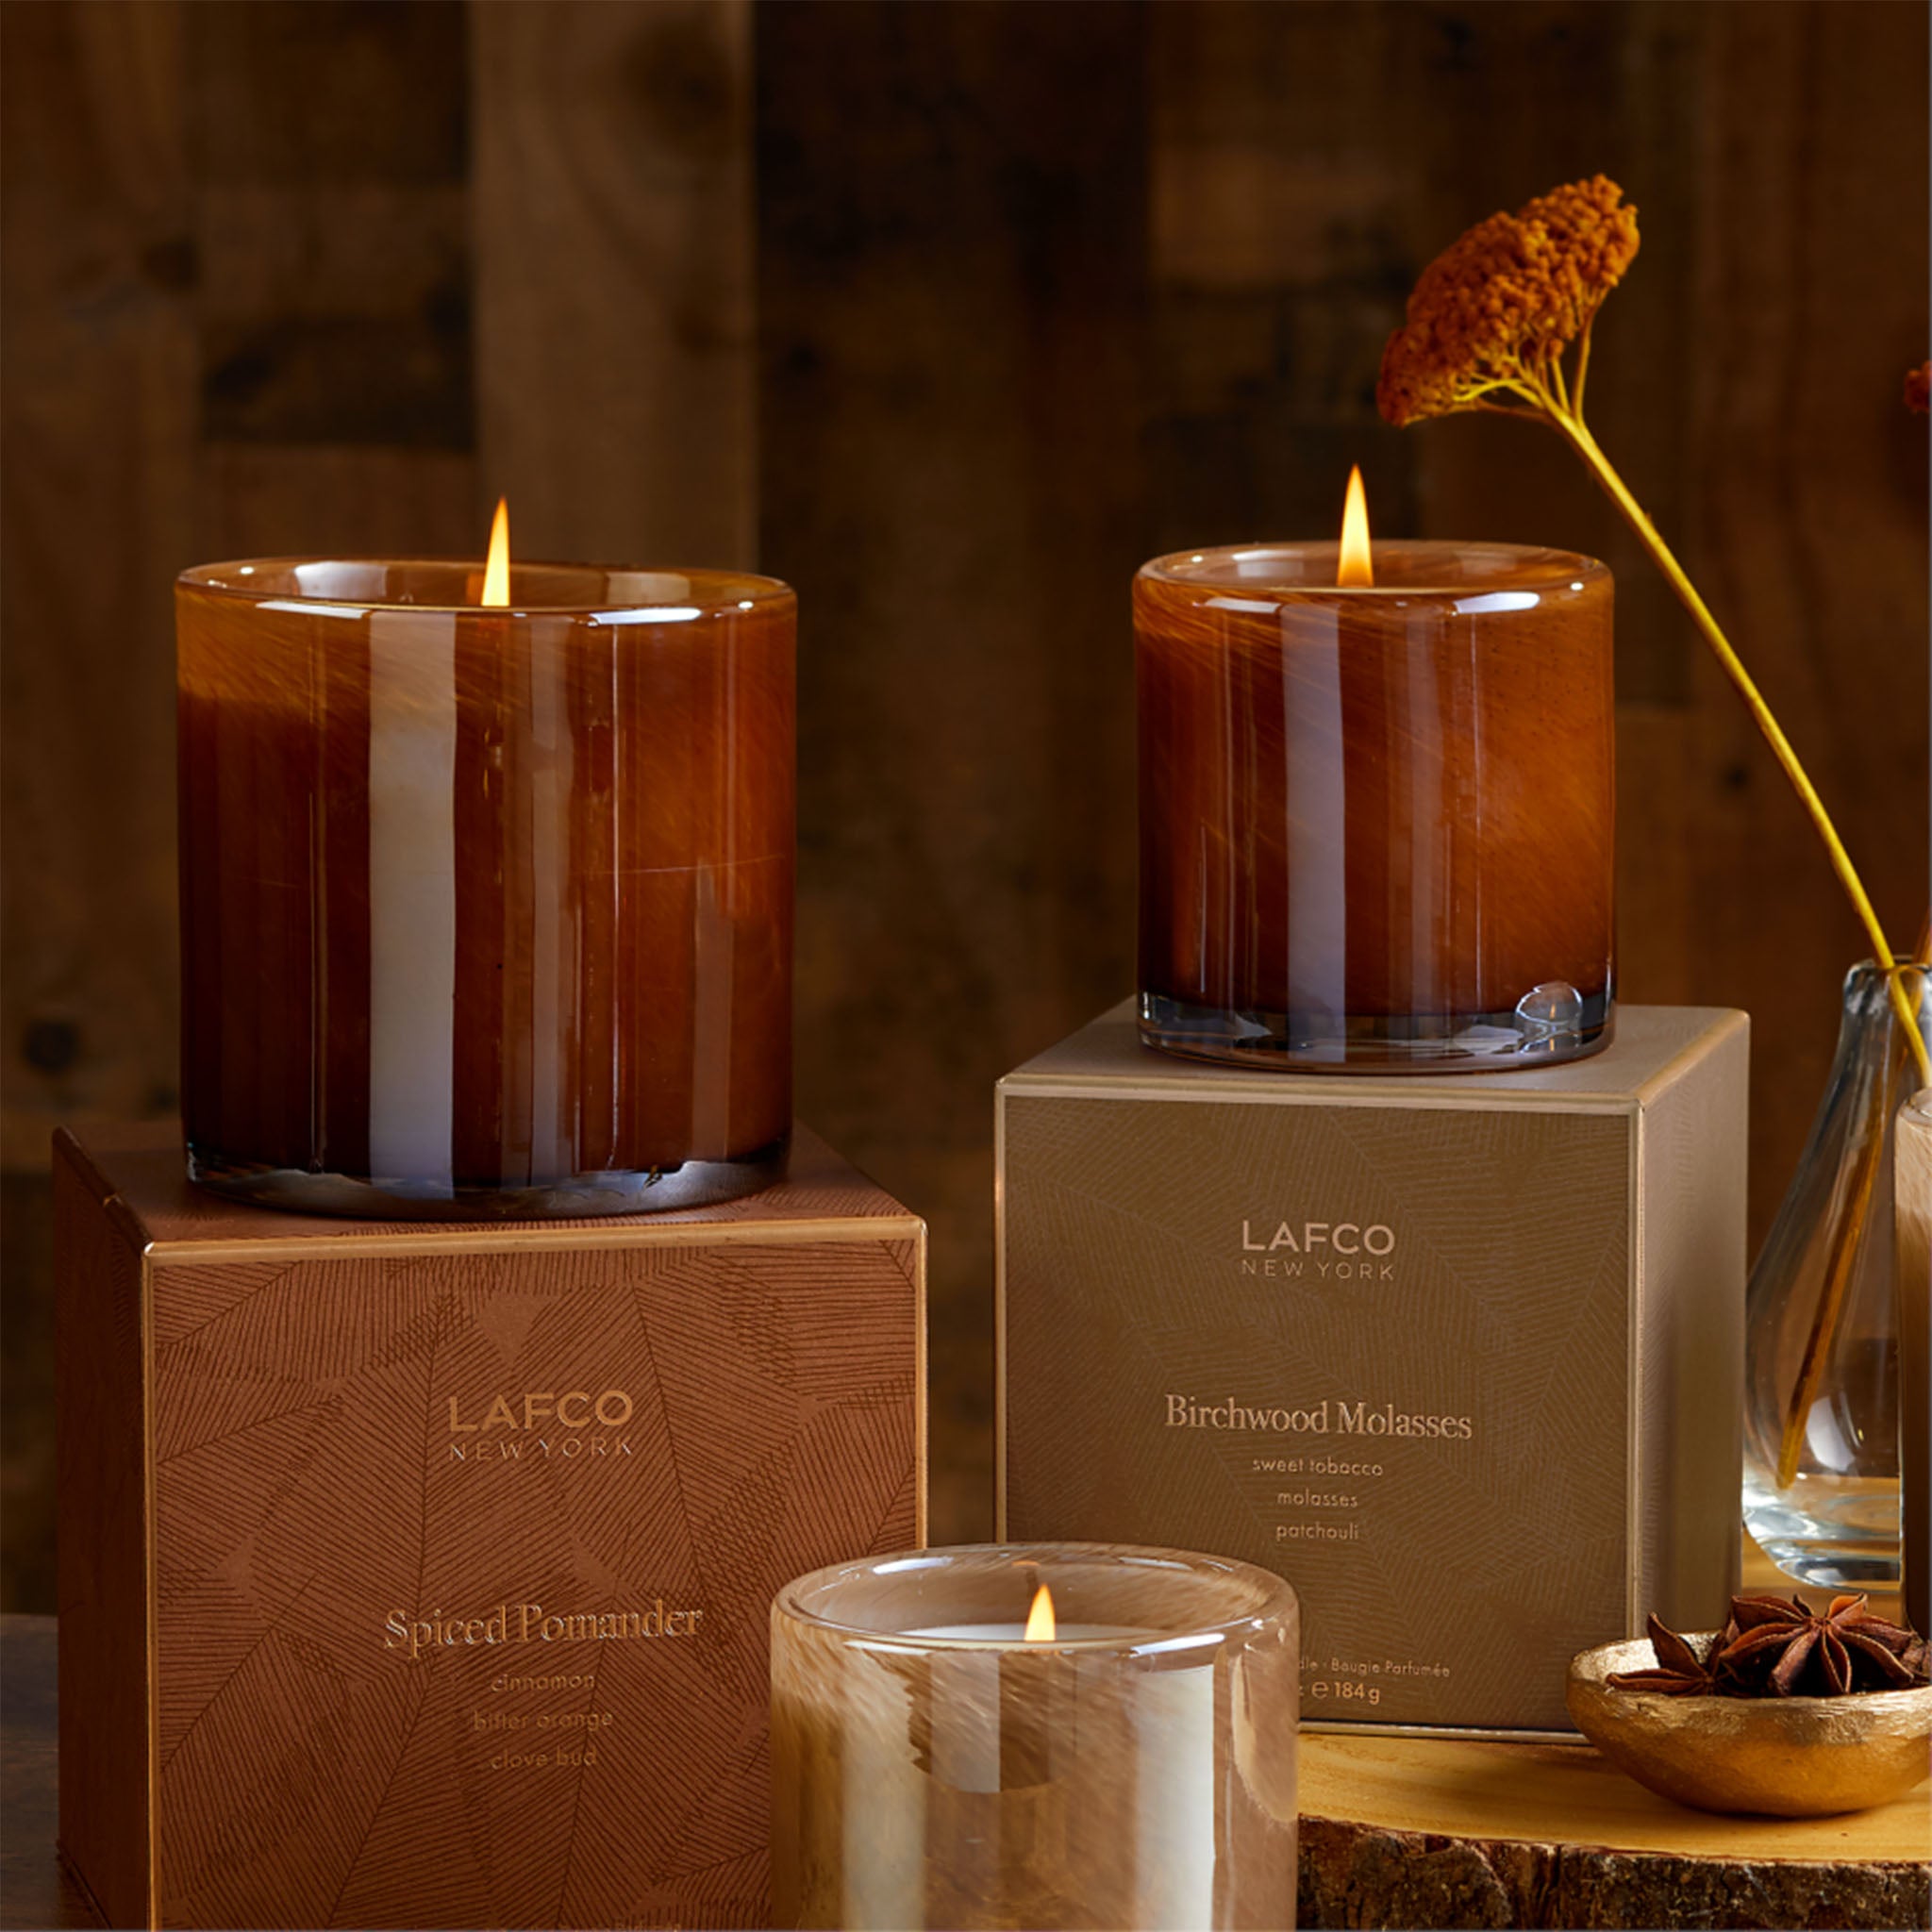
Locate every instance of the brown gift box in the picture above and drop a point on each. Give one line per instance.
(419, 1576)
(1462, 1359)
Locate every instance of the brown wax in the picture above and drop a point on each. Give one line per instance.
(485, 898)
(1388, 808)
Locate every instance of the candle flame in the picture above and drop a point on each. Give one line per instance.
(1040, 1619)
(1355, 569)
(496, 572)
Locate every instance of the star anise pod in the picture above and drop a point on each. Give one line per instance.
(1779, 1647)
(1679, 1671)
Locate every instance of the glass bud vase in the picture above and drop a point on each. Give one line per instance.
(1822, 1351)
(1911, 1181)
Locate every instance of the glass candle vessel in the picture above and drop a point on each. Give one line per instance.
(485, 911)
(932, 1766)
(1377, 824)
(1824, 1358)
(1912, 1204)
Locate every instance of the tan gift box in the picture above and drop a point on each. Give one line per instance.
(419, 1576)
(1462, 1359)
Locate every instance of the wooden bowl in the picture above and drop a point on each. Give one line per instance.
(1787, 1757)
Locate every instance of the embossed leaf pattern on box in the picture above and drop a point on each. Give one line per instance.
(310, 1487)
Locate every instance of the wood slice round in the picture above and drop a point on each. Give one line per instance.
(1434, 1832)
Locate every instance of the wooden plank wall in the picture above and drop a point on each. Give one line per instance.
(952, 300)
(949, 313)
(310, 278)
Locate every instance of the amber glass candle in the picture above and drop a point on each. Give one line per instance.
(933, 1766)
(1377, 824)
(485, 911)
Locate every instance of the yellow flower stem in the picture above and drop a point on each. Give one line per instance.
(1582, 367)
(1845, 1243)
(1599, 465)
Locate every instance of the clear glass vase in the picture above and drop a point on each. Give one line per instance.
(1911, 1181)
(1821, 1354)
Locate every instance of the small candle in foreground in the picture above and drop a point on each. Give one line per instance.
(936, 1765)
(1377, 804)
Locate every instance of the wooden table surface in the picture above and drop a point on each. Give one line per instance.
(1396, 1830)
(1435, 1832)
(1415, 1831)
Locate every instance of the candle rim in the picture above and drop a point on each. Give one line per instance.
(1544, 569)
(1137, 1643)
(1274, 1597)
(719, 591)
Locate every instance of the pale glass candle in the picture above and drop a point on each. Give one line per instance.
(1911, 1197)
(934, 1767)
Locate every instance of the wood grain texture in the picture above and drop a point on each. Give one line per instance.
(1806, 520)
(1412, 1832)
(1570, 1795)
(324, 1449)
(611, 207)
(97, 410)
(953, 297)
(1492, 1871)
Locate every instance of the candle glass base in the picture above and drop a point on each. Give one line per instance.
(691, 1184)
(1546, 1028)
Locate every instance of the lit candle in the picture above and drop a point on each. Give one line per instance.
(1122, 1755)
(1377, 802)
(487, 884)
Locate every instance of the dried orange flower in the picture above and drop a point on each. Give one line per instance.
(1495, 311)
(1487, 326)
(1486, 329)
